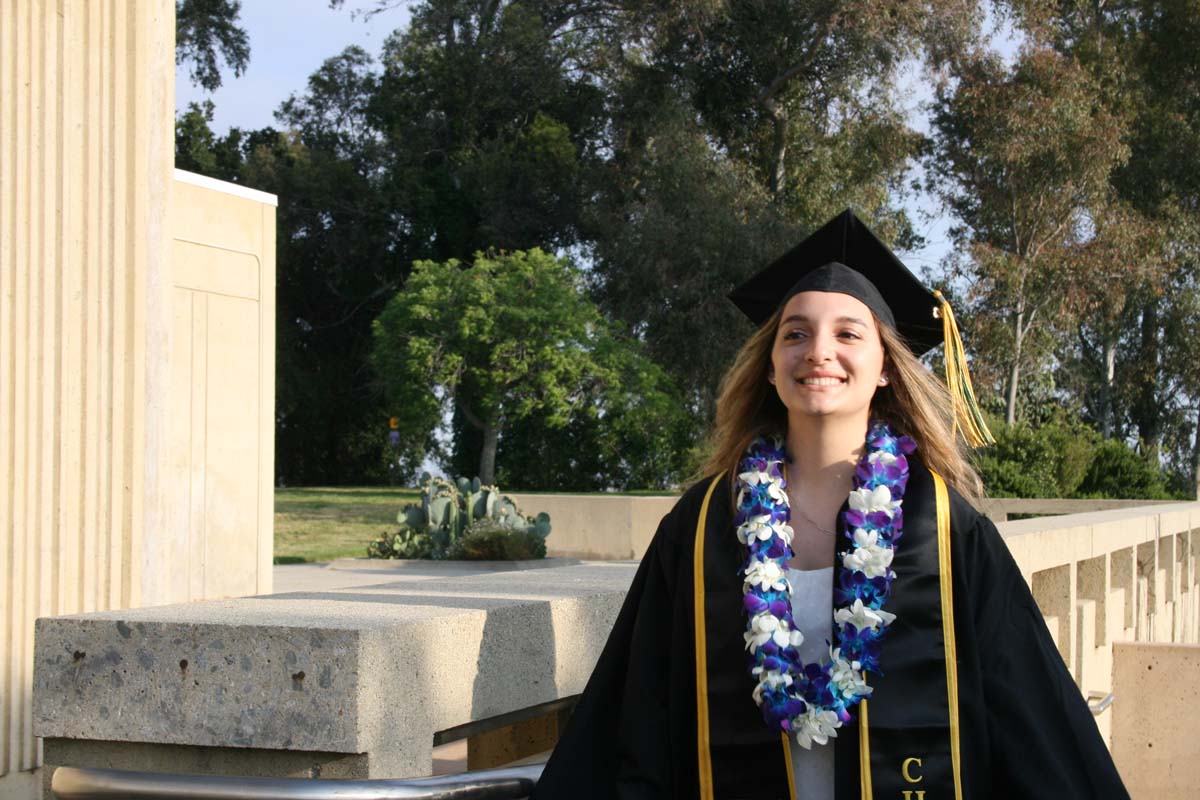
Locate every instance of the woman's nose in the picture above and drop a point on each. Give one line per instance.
(820, 349)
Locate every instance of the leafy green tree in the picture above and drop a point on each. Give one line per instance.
(1018, 156)
(673, 242)
(511, 337)
(490, 135)
(198, 149)
(342, 254)
(207, 32)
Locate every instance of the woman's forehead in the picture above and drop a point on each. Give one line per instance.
(827, 306)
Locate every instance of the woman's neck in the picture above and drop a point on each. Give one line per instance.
(823, 452)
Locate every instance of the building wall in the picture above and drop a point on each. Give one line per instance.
(220, 425)
(101, 506)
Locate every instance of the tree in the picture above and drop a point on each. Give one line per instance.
(490, 134)
(198, 149)
(509, 337)
(207, 32)
(671, 243)
(736, 129)
(1122, 262)
(1018, 156)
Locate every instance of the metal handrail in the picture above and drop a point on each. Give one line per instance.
(1098, 702)
(504, 783)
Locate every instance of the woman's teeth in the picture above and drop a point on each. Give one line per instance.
(820, 381)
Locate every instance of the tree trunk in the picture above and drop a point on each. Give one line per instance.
(1196, 456)
(487, 456)
(1106, 389)
(1014, 375)
(1149, 414)
(779, 152)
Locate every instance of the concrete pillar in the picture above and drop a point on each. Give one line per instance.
(86, 153)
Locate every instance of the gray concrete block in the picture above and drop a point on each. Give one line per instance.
(373, 670)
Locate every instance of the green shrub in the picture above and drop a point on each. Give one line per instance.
(487, 540)
(1049, 460)
(1064, 458)
(1117, 471)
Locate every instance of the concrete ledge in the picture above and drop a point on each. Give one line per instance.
(597, 526)
(373, 670)
(619, 527)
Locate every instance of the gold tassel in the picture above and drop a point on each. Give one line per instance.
(958, 381)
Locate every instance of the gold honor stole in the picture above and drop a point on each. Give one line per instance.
(908, 731)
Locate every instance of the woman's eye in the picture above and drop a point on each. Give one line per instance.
(849, 335)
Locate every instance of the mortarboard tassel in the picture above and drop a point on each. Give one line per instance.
(958, 381)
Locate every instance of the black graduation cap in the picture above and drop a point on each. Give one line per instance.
(845, 256)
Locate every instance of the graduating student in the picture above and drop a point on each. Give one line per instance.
(826, 615)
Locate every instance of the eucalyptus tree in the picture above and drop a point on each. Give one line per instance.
(1141, 54)
(1019, 156)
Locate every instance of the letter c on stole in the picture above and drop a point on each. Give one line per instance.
(904, 770)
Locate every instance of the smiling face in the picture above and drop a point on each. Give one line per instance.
(827, 359)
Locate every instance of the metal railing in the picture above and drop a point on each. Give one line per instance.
(504, 783)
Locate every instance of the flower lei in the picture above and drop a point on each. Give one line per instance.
(814, 700)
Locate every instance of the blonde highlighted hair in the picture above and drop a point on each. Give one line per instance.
(915, 402)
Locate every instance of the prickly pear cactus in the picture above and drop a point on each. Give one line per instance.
(447, 510)
(404, 544)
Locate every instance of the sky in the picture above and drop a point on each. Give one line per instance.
(289, 41)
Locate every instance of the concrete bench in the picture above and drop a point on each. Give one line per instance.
(354, 683)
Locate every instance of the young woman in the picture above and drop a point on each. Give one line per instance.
(826, 615)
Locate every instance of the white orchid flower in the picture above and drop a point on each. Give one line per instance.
(862, 616)
(816, 725)
(848, 678)
(869, 556)
(757, 527)
(761, 630)
(754, 477)
(877, 499)
(766, 574)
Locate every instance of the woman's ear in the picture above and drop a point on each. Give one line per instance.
(771, 374)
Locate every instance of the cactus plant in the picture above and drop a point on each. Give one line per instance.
(403, 544)
(448, 509)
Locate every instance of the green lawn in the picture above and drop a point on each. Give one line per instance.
(320, 524)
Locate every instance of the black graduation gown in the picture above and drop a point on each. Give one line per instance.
(1025, 729)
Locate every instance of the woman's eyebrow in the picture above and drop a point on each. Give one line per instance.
(802, 318)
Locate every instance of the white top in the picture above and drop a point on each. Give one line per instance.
(812, 611)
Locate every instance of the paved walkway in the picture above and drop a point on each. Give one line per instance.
(319, 577)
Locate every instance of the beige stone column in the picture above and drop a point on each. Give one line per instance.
(86, 156)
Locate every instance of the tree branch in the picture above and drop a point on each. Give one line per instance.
(767, 96)
(470, 415)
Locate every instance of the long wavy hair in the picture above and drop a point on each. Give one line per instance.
(915, 402)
